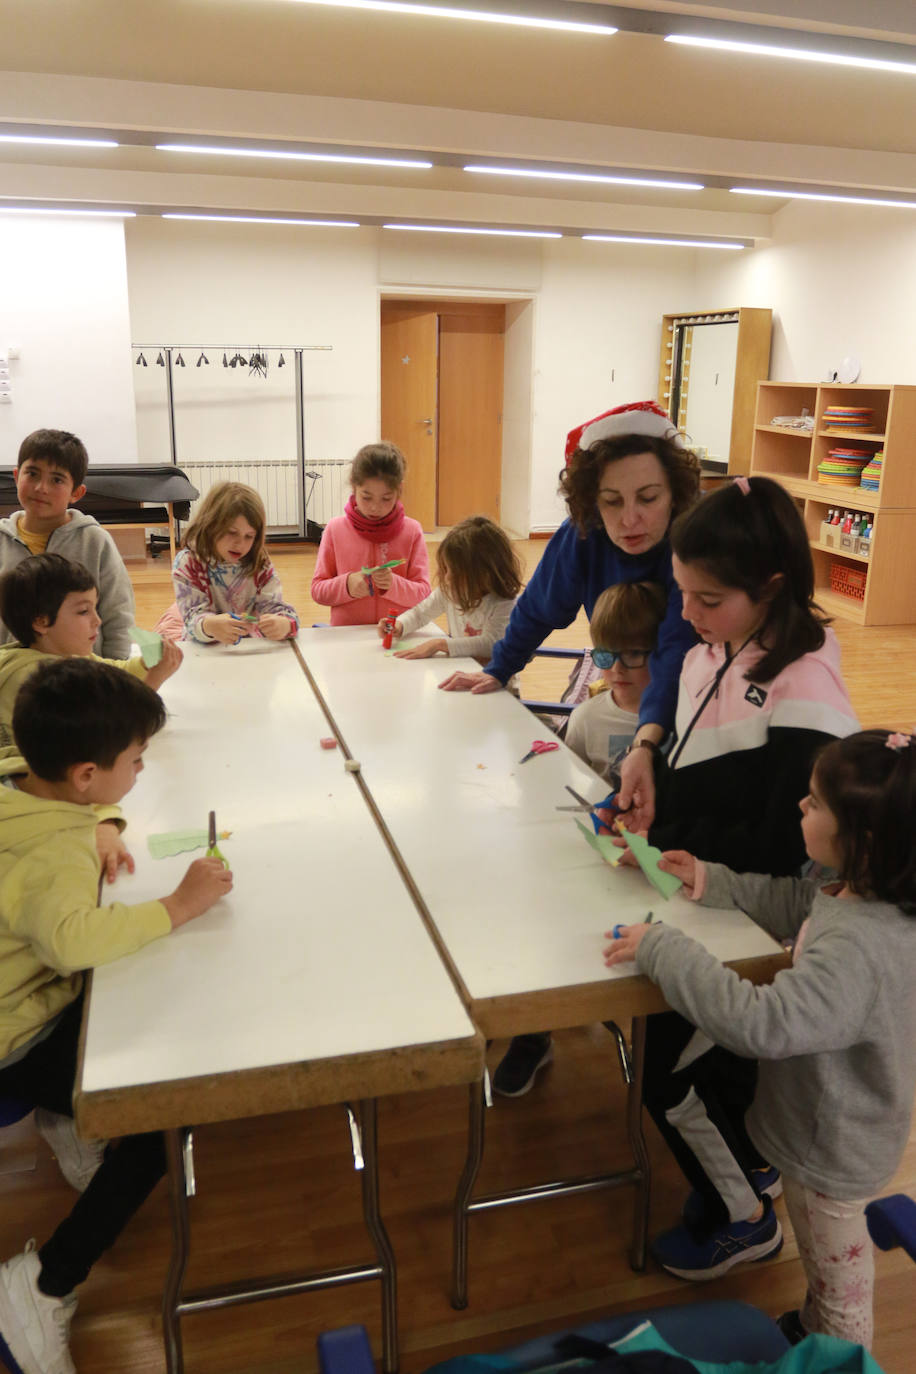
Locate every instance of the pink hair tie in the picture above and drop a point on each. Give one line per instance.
(898, 742)
(743, 485)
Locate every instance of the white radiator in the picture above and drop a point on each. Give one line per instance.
(327, 486)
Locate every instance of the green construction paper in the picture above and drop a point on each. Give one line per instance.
(602, 844)
(172, 842)
(403, 644)
(150, 645)
(647, 856)
(392, 563)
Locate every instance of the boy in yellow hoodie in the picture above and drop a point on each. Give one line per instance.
(50, 606)
(81, 727)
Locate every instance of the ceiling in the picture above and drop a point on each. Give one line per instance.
(294, 75)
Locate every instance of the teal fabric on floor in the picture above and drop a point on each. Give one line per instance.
(813, 1355)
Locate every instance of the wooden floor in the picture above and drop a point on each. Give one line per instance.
(279, 1193)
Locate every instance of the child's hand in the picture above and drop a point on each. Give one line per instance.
(357, 585)
(477, 683)
(275, 626)
(624, 946)
(395, 631)
(206, 881)
(113, 852)
(168, 664)
(683, 866)
(382, 578)
(427, 649)
(224, 628)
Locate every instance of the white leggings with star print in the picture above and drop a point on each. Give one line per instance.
(836, 1251)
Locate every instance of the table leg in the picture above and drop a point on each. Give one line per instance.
(638, 1144)
(368, 1113)
(181, 1244)
(476, 1116)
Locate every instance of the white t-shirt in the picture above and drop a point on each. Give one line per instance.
(599, 730)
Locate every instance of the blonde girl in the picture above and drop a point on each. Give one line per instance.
(372, 531)
(225, 584)
(479, 578)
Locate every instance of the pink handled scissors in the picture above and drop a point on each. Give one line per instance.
(539, 746)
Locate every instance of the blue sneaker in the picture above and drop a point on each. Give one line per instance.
(766, 1181)
(699, 1256)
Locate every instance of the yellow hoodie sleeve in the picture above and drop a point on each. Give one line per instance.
(55, 910)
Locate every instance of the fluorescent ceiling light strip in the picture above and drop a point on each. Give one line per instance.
(50, 210)
(796, 54)
(817, 195)
(266, 219)
(668, 243)
(455, 229)
(289, 156)
(450, 12)
(601, 179)
(60, 142)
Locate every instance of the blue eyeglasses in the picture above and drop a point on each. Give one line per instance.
(628, 658)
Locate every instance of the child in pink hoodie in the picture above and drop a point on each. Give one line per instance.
(372, 530)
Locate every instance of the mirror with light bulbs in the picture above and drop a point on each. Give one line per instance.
(709, 367)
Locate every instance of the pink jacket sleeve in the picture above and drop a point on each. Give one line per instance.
(410, 584)
(329, 587)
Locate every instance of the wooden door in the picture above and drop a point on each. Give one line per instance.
(409, 354)
(470, 411)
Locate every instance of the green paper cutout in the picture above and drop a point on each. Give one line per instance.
(392, 563)
(647, 856)
(602, 844)
(150, 645)
(403, 644)
(172, 842)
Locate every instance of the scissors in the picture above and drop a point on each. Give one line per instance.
(609, 804)
(539, 746)
(213, 851)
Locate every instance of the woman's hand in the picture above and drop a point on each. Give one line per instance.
(168, 664)
(112, 851)
(224, 628)
(427, 649)
(357, 585)
(386, 627)
(382, 578)
(625, 945)
(274, 626)
(477, 683)
(636, 793)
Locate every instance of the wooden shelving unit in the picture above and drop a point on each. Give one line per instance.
(791, 457)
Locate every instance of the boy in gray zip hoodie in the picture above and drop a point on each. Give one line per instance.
(49, 478)
(835, 1033)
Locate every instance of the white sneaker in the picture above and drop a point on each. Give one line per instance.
(34, 1327)
(78, 1159)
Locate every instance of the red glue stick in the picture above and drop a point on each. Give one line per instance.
(389, 623)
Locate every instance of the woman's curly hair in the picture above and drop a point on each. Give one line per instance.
(580, 478)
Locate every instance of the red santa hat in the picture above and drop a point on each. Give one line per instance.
(639, 417)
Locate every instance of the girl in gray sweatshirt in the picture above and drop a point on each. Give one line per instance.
(835, 1033)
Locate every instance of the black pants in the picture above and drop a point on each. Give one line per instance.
(699, 1110)
(126, 1177)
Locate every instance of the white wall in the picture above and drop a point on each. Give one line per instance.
(63, 302)
(840, 279)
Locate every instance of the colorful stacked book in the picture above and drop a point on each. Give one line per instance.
(848, 417)
(843, 467)
(871, 473)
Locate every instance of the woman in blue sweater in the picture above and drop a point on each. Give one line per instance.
(627, 476)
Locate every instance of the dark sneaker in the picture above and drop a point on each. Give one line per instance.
(790, 1326)
(698, 1256)
(766, 1181)
(518, 1068)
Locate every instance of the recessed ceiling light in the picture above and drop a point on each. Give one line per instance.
(290, 156)
(60, 142)
(52, 210)
(600, 178)
(796, 54)
(530, 21)
(462, 229)
(669, 243)
(266, 219)
(819, 195)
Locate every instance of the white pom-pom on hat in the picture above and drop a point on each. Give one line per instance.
(639, 417)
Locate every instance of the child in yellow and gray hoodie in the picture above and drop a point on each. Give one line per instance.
(81, 727)
(50, 605)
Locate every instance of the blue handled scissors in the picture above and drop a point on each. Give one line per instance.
(609, 804)
(539, 746)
